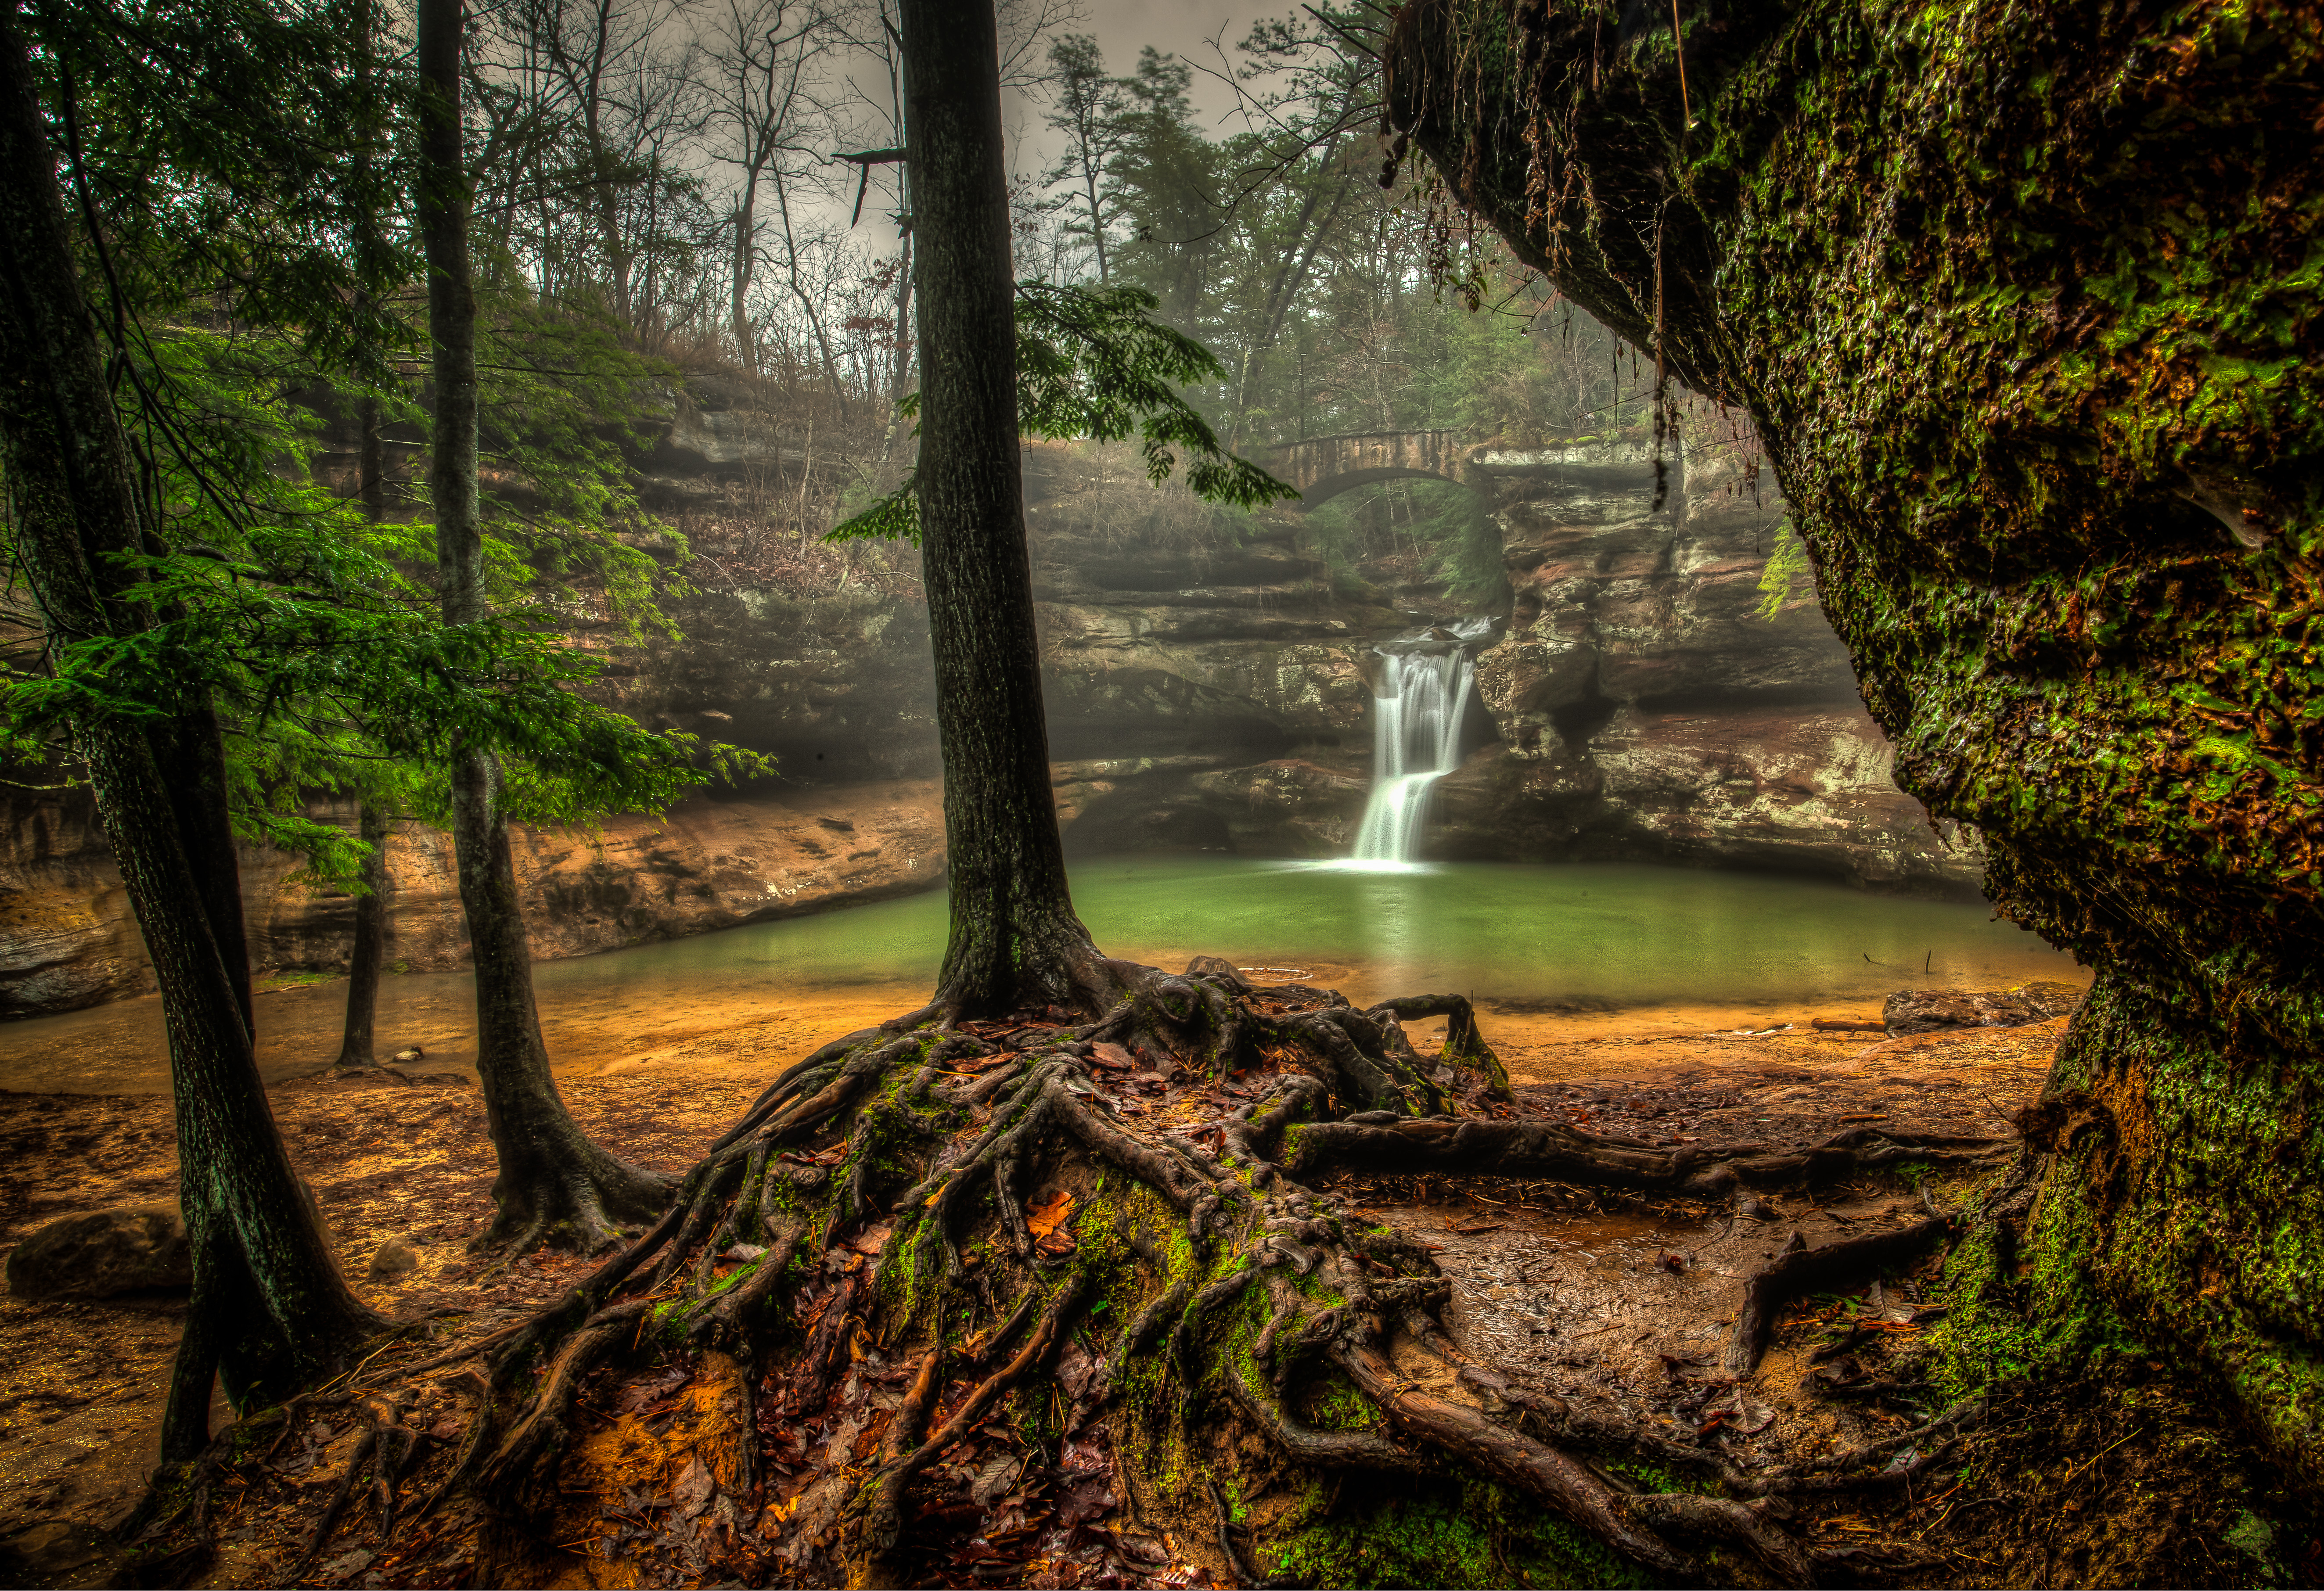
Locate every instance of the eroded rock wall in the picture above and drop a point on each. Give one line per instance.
(1205, 691)
(2026, 301)
(66, 939)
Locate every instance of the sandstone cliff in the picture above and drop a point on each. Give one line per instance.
(1207, 688)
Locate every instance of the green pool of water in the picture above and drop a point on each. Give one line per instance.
(1609, 936)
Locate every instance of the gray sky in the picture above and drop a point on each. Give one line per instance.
(1183, 28)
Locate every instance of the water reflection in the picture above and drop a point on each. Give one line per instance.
(1591, 935)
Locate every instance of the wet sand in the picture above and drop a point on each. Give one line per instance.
(592, 1029)
(608, 1026)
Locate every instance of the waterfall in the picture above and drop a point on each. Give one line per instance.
(1417, 709)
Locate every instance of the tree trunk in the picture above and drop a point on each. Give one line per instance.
(270, 1311)
(369, 950)
(555, 1186)
(1014, 939)
(746, 241)
(365, 956)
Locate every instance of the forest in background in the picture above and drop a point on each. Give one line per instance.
(698, 197)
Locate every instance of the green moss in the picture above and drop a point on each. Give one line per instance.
(1334, 1403)
(1444, 1533)
(2046, 411)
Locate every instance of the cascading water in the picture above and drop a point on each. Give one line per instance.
(1421, 697)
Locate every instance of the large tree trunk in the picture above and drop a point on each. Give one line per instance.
(269, 1311)
(2057, 471)
(555, 1186)
(1014, 939)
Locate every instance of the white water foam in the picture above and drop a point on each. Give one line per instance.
(1417, 709)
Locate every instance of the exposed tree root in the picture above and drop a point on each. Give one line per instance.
(1098, 1233)
(1800, 1270)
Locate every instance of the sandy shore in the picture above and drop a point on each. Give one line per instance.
(609, 1027)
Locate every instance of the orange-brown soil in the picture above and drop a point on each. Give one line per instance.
(1571, 1293)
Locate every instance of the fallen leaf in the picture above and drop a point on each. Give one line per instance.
(1074, 1369)
(993, 1481)
(1048, 1216)
(347, 1564)
(1112, 1056)
(695, 1487)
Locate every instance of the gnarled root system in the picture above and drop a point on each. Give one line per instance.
(1027, 1300)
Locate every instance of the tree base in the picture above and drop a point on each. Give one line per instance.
(1142, 1301)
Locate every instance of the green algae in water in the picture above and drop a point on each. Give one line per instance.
(1611, 935)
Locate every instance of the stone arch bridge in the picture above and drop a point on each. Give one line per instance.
(1322, 467)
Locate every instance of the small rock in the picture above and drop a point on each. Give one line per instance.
(1926, 1010)
(347, 1564)
(396, 1257)
(99, 1254)
(1220, 969)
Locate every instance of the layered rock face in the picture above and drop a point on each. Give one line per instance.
(1641, 704)
(1205, 691)
(66, 939)
(2026, 302)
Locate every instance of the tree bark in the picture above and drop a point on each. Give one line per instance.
(555, 1186)
(270, 1311)
(369, 950)
(746, 248)
(1014, 939)
(365, 956)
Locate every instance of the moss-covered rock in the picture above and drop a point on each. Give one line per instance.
(2024, 300)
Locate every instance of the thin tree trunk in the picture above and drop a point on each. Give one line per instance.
(555, 1186)
(806, 299)
(369, 949)
(270, 1311)
(1014, 939)
(366, 956)
(746, 231)
(1089, 173)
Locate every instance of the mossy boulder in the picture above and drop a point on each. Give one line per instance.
(2025, 302)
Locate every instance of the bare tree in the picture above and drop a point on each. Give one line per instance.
(617, 79)
(764, 112)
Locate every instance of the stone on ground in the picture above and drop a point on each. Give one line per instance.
(1925, 1010)
(103, 1253)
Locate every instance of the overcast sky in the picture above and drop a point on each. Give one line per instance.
(1183, 28)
